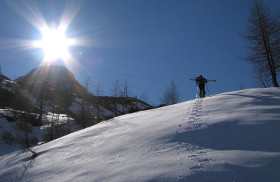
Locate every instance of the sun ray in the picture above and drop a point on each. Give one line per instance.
(21, 44)
(30, 12)
(70, 11)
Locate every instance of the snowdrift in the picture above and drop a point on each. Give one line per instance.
(228, 137)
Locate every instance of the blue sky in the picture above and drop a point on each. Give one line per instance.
(145, 42)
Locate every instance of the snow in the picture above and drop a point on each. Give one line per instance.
(5, 148)
(37, 131)
(232, 136)
(9, 85)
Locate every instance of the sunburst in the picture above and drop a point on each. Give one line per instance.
(54, 41)
(55, 44)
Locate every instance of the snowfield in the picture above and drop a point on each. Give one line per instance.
(233, 136)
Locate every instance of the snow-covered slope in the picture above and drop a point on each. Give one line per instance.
(228, 137)
(12, 133)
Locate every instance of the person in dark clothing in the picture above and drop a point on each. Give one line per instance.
(200, 81)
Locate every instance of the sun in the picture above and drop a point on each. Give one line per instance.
(55, 44)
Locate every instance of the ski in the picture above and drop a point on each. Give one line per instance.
(207, 80)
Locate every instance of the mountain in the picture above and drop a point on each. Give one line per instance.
(60, 89)
(231, 136)
(49, 99)
(58, 83)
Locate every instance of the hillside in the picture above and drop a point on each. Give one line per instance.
(3, 77)
(10, 96)
(49, 99)
(60, 88)
(53, 87)
(228, 137)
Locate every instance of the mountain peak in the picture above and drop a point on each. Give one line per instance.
(59, 84)
(48, 73)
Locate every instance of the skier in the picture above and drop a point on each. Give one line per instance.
(200, 82)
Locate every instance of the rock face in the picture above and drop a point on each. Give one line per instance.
(57, 84)
(55, 77)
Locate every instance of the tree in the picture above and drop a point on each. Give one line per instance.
(262, 78)
(55, 128)
(120, 94)
(115, 94)
(23, 124)
(170, 95)
(84, 117)
(124, 92)
(99, 112)
(263, 32)
(115, 89)
(42, 100)
(144, 97)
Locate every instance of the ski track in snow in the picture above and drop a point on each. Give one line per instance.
(196, 118)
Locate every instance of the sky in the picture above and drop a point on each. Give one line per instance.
(145, 44)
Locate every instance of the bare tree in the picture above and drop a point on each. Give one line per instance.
(144, 97)
(55, 127)
(263, 78)
(124, 92)
(84, 114)
(170, 95)
(115, 89)
(68, 124)
(263, 32)
(115, 94)
(57, 123)
(42, 100)
(23, 124)
(98, 92)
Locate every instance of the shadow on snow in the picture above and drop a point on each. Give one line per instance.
(233, 136)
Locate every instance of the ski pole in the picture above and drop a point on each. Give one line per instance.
(196, 91)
